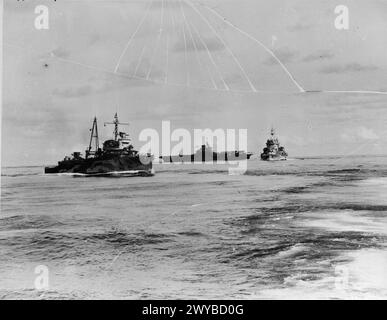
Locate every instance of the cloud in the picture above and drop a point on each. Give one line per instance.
(299, 26)
(367, 134)
(60, 52)
(284, 54)
(318, 56)
(100, 85)
(73, 92)
(350, 67)
(94, 38)
(359, 134)
(19, 7)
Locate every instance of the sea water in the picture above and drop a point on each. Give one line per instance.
(302, 228)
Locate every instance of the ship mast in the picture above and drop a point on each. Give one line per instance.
(93, 135)
(116, 123)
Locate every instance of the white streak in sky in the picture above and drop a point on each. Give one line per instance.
(194, 44)
(185, 55)
(224, 44)
(132, 37)
(130, 77)
(300, 88)
(173, 21)
(355, 91)
(158, 40)
(211, 57)
(167, 67)
(139, 61)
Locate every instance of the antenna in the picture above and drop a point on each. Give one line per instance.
(116, 122)
(93, 135)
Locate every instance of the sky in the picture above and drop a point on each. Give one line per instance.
(231, 64)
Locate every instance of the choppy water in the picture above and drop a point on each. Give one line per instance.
(282, 230)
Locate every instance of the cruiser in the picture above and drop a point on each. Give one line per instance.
(273, 151)
(117, 157)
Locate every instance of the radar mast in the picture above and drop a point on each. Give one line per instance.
(116, 122)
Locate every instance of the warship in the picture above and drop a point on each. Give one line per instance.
(117, 156)
(206, 154)
(273, 151)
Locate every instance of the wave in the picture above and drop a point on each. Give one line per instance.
(26, 222)
(13, 175)
(375, 181)
(263, 213)
(126, 238)
(341, 174)
(268, 173)
(308, 187)
(262, 252)
(353, 170)
(33, 294)
(113, 174)
(56, 245)
(308, 244)
(191, 234)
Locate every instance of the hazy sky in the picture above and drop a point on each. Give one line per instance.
(195, 69)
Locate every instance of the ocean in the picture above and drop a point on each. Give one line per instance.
(312, 228)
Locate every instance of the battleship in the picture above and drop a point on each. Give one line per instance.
(273, 151)
(117, 157)
(206, 154)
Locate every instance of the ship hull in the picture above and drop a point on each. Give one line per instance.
(207, 157)
(266, 157)
(104, 166)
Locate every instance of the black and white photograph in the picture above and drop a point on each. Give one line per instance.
(226, 150)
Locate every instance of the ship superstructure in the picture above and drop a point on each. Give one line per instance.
(117, 156)
(273, 150)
